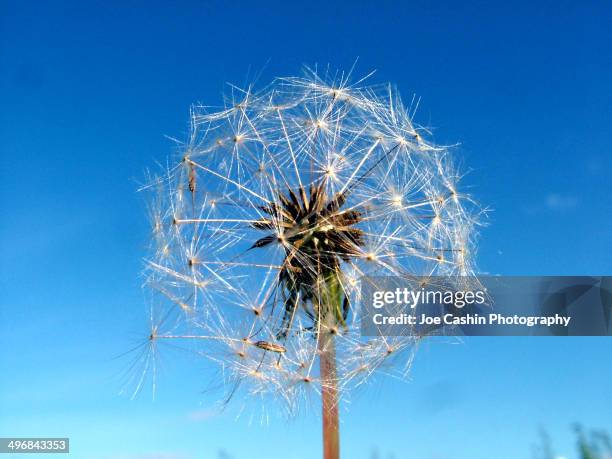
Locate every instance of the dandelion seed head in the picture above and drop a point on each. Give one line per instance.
(284, 197)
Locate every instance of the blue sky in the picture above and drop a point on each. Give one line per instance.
(88, 91)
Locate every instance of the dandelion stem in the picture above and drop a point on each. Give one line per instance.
(329, 395)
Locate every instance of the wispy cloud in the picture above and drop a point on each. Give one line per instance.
(202, 415)
(552, 202)
(560, 202)
(152, 456)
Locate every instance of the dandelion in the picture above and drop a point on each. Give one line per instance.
(278, 205)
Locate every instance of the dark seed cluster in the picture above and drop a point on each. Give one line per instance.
(317, 234)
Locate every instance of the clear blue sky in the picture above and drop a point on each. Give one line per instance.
(89, 89)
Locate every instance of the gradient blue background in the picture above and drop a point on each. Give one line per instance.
(89, 89)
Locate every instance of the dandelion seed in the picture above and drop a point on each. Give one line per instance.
(272, 347)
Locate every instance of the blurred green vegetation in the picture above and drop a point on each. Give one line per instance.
(590, 444)
(595, 444)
